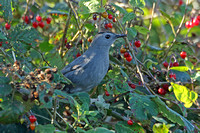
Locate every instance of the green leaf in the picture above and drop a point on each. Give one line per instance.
(85, 99)
(46, 46)
(132, 32)
(189, 64)
(55, 60)
(4, 80)
(180, 68)
(90, 27)
(137, 3)
(149, 63)
(123, 127)
(120, 9)
(184, 95)
(10, 111)
(197, 76)
(7, 8)
(141, 30)
(49, 128)
(160, 128)
(90, 6)
(142, 106)
(172, 115)
(100, 130)
(128, 17)
(2, 36)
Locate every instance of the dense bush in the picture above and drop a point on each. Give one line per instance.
(153, 82)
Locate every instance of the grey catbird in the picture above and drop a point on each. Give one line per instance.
(88, 70)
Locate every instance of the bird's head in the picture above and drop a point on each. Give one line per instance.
(105, 39)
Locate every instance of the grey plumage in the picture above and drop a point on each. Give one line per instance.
(88, 70)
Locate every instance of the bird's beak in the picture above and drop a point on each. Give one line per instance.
(121, 35)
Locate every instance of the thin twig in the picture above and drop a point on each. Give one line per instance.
(150, 25)
(65, 32)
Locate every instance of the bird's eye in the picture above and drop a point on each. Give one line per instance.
(107, 36)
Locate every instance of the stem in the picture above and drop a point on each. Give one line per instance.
(65, 32)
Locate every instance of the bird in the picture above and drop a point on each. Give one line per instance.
(89, 69)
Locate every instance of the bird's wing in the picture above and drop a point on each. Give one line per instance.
(74, 65)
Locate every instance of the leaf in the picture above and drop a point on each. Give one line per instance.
(160, 128)
(46, 46)
(85, 99)
(123, 127)
(141, 30)
(172, 115)
(189, 64)
(142, 106)
(90, 27)
(90, 6)
(49, 128)
(132, 32)
(10, 111)
(101, 104)
(7, 8)
(197, 76)
(181, 76)
(184, 95)
(137, 3)
(5, 87)
(180, 68)
(2, 36)
(100, 130)
(128, 17)
(149, 63)
(120, 9)
(55, 60)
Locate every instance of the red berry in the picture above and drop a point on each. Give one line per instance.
(0, 44)
(48, 20)
(32, 126)
(139, 82)
(171, 75)
(161, 91)
(107, 93)
(180, 2)
(198, 17)
(165, 86)
(78, 54)
(126, 54)
(165, 64)
(41, 24)
(130, 122)
(80, 42)
(188, 24)
(94, 17)
(32, 118)
(110, 25)
(195, 22)
(65, 40)
(26, 20)
(131, 85)
(68, 46)
(129, 58)
(137, 43)
(35, 24)
(38, 18)
(122, 50)
(110, 16)
(183, 54)
(106, 26)
(114, 20)
(7, 26)
(175, 64)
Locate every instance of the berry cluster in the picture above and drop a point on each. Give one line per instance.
(39, 21)
(32, 119)
(193, 22)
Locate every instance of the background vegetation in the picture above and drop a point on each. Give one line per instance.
(153, 82)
